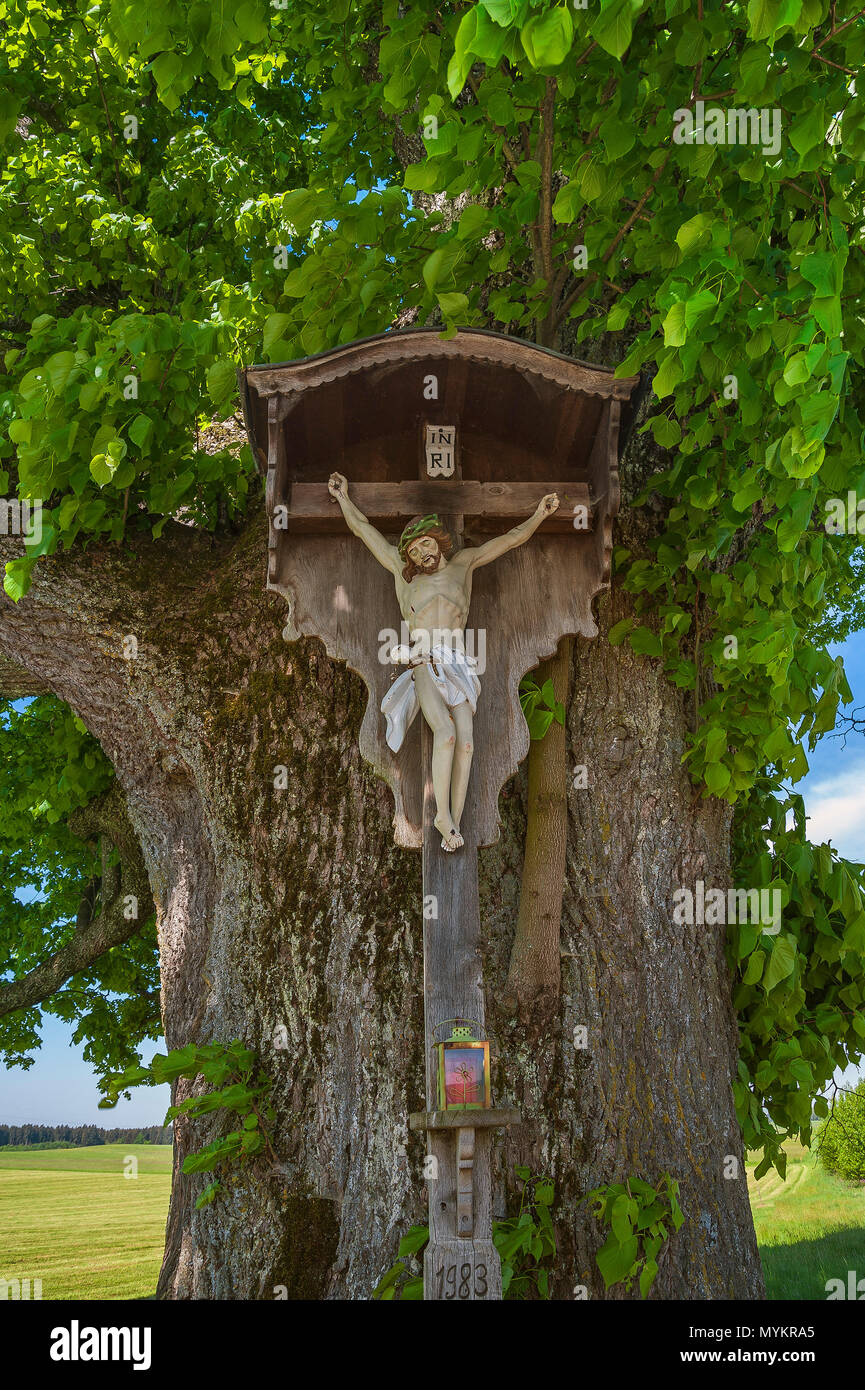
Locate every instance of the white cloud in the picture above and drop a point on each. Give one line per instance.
(836, 811)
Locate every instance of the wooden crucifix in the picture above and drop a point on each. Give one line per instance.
(482, 471)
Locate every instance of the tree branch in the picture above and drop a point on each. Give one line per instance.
(104, 818)
(545, 234)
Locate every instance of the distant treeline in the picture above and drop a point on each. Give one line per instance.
(77, 1136)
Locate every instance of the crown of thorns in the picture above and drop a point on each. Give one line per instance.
(415, 530)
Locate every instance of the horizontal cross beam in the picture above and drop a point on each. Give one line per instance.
(310, 506)
(458, 1119)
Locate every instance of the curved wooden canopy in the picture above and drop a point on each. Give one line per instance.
(416, 344)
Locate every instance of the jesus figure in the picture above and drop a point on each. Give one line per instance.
(434, 590)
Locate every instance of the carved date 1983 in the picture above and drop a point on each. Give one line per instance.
(455, 1281)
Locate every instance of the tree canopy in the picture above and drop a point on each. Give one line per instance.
(841, 1137)
(186, 189)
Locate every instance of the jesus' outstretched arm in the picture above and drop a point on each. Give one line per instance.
(384, 552)
(500, 545)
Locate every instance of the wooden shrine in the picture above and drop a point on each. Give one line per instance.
(476, 428)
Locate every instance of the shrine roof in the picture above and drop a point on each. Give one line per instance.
(414, 344)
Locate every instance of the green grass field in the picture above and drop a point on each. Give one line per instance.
(70, 1217)
(810, 1228)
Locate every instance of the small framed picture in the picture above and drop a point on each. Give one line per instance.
(464, 1075)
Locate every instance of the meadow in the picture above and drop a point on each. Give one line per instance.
(71, 1218)
(810, 1228)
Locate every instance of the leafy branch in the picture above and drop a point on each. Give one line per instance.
(240, 1089)
(638, 1217)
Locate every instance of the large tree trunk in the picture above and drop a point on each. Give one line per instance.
(288, 919)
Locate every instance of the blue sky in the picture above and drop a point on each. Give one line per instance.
(834, 788)
(60, 1088)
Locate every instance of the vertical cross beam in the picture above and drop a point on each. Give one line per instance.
(460, 1263)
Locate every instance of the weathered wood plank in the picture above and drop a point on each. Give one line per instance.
(453, 988)
(386, 502)
(452, 1119)
(460, 1196)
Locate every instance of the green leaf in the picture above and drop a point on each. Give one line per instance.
(820, 269)
(619, 136)
(414, 1240)
(504, 12)
(423, 177)
(141, 431)
(782, 959)
(432, 268)
(717, 777)
(668, 375)
(221, 381)
(647, 1277)
(616, 1259)
(622, 1217)
(489, 40)
(674, 325)
(619, 631)
(809, 129)
(698, 305)
(754, 968)
(453, 306)
(646, 642)
(18, 578)
(547, 38)
(474, 222)
(275, 326)
(692, 232)
(762, 18)
(102, 469)
(614, 26)
(20, 431)
(60, 369)
(795, 522)
(463, 57)
(567, 202)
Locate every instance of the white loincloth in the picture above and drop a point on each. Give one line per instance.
(455, 679)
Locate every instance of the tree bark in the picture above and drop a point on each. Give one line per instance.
(288, 919)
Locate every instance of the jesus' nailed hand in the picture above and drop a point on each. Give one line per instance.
(434, 590)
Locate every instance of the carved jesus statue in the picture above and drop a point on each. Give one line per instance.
(434, 589)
